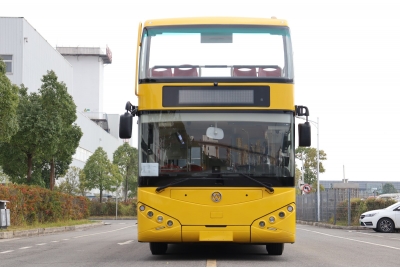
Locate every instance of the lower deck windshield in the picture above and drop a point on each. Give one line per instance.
(205, 149)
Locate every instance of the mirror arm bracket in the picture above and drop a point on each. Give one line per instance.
(131, 108)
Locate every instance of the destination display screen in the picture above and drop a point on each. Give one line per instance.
(216, 96)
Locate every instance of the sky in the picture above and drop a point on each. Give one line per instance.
(346, 57)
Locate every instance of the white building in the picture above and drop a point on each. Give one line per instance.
(29, 56)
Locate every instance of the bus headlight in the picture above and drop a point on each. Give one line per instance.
(262, 224)
(281, 214)
(290, 208)
(272, 219)
(160, 218)
(142, 208)
(170, 223)
(150, 214)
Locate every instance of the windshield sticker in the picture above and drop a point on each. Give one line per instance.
(149, 169)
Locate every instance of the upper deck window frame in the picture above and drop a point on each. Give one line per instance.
(284, 31)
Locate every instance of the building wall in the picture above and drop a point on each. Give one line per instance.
(33, 56)
(39, 57)
(93, 137)
(88, 86)
(11, 41)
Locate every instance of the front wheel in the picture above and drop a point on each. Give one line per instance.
(158, 248)
(385, 225)
(275, 248)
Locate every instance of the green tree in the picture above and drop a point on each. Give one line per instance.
(100, 173)
(3, 177)
(388, 188)
(82, 183)
(63, 135)
(70, 184)
(25, 147)
(125, 157)
(309, 156)
(8, 106)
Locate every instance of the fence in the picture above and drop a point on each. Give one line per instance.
(337, 206)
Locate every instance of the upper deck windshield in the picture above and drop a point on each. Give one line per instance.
(216, 147)
(215, 51)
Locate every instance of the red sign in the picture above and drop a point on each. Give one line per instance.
(306, 188)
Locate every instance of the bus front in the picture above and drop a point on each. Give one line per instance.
(216, 133)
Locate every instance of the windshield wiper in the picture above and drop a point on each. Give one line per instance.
(160, 189)
(269, 188)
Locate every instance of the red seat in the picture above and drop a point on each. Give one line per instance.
(244, 72)
(270, 72)
(185, 71)
(161, 72)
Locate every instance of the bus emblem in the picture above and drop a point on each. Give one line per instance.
(216, 196)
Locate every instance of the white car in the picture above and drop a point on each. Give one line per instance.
(382, 220)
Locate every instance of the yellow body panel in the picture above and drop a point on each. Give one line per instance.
(216, 20)
(191, 213)
(196, 218)
(281, 96)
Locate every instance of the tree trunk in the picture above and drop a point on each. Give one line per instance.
(52, 174)
(126, 186)
(101, 195)
(29, 175)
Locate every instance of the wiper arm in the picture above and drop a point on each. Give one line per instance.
(269, 188)
(160, 189)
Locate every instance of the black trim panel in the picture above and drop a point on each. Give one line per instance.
(207, 96)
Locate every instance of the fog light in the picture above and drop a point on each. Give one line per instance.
(160, 218)
(150, 214)
(170, 223)
(272, 219)
(142, 208)
(262, 224)
(290, 208)
(281, 214)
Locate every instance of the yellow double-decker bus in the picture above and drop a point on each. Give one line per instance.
(216, 132)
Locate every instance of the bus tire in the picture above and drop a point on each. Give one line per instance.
(158, 248)
(275, 248)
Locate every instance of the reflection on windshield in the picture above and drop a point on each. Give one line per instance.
(196, 144)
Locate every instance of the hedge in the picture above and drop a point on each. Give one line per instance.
(32, 204)
(126, 209)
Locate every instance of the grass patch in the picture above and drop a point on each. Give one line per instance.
(48, 225)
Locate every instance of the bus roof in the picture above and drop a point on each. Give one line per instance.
(216, 20)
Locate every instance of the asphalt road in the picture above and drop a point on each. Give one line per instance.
(115, 245)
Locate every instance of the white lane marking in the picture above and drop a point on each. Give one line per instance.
(7, 251)
(122, 223)
(355, 240)
(41, 244)
(66, 239)
(125, 243)
(25, 247)
(105, 232)
(55, 241)
(211, 263)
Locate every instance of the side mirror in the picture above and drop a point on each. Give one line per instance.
(304, 134)
(215, 133)
(125, 126)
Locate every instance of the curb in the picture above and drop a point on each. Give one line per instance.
(50, 230)
(331, 226)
